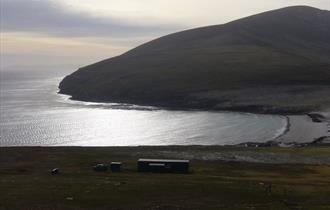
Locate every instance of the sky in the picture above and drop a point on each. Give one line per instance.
(68, 34)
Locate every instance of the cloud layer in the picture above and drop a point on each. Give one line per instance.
(75, 33)
(44, 16)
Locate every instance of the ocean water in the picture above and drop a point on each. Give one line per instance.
(33, 114)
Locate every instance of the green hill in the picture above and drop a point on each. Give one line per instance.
(270, 62)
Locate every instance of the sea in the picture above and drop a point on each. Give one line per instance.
(32, 113)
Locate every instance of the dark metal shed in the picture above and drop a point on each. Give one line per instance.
(115, 166)
(163, 165)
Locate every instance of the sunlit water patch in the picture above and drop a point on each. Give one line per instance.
(33, 114)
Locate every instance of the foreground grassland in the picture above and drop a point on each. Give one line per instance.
(26, 182)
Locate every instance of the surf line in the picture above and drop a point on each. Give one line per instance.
(286, 129)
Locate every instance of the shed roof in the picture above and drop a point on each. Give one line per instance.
(163, 160)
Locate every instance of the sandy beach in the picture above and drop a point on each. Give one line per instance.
(299, 123)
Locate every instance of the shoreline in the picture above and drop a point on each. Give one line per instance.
(161, 105)
(316, 153)
(286, 129)
(280, 140)
(287, 139)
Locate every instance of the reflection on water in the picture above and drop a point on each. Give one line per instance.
(33, 114)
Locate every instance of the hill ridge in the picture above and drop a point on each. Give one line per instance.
(286, 47)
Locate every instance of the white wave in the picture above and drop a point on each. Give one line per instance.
(282, 130)
(67, 99)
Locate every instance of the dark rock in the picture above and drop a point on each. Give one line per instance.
(22, 170)
(55, 171)
(100, 167)
(316, 117)
(320, 140)
(260, 144)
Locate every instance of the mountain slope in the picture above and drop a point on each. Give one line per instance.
(280, 53)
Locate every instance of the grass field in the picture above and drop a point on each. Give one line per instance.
(26, 182)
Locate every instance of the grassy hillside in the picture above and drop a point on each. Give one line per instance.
(26, 182)
(288, 47)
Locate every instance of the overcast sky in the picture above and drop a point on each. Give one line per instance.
(48, 34)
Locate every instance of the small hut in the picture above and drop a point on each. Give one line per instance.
(115, 166)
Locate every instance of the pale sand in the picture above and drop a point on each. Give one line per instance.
(302, 129)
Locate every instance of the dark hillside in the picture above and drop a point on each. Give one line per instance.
(286, 49)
